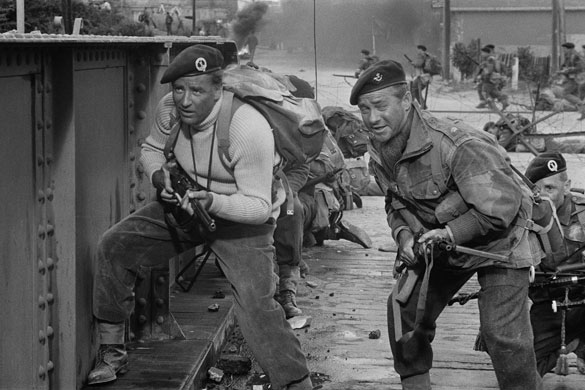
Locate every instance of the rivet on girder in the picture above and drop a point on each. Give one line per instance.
(49, 124)
(42, 372)
(50, 366)
(141, 114)
(50, 298)
(42, 302)
(49, 193)
(132, 157)
(160, 280)
(42, 337)
(39, 125)
(42, 268)
(159, 302)
(49, 159)
(41, 231)
(141, 88)
(41, 196)
(50, 229)
(131, 129)
(142, 302)
(160, 320)
(141, 196)
(50, 331)
(50, 263)
(141, 319)
(40, 160)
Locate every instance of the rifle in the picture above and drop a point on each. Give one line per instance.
(181, 183)
(408, 58)
(323, 178)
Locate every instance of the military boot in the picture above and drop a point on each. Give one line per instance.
(111, 360)
(289, 304)
(347, 231)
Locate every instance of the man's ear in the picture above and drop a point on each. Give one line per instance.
(407, 101)
(568, 186)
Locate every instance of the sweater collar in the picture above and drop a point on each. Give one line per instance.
(211, 118)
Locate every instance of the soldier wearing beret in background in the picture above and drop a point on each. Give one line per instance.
(240, 194)
(569, 81)
(549, 172)
(447, 181)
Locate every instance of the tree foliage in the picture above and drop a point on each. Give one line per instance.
(464, 58)
(40, 14)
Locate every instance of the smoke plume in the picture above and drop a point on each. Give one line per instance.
(248, 19)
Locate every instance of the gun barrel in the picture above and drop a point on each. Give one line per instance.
(561, 282)
(203, 215)
(474, 252)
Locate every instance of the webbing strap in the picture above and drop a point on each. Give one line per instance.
(172, 140)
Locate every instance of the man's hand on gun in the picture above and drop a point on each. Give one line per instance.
(161, 180)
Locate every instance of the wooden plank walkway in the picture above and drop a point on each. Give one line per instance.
(182, 362)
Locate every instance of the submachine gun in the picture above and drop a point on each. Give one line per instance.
(181, 183)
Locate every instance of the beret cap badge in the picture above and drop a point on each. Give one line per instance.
(201, 64)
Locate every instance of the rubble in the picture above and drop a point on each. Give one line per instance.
(215, 374)
(213, 307)
(234, 364)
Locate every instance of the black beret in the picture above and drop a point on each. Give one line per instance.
(366, 52)
(193, 61)
(490, 46)
(378, 76)
(568, 45)
(544, 165)
(422, 47)
(486, 49)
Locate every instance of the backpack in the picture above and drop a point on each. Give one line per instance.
(432, 65)
(349, 131)
(297, 124)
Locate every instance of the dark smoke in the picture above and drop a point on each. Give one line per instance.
(248, 19)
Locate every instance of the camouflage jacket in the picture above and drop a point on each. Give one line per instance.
(451, 174)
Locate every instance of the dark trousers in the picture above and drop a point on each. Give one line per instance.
(245, 254)
(546, 325)
(288, 241)
(504, 318)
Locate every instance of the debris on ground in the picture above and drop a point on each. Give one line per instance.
(300, 322)
(375, 334)
(218, 295)
(312, 284)
(213, 307)
(215, 374)
(234, 364)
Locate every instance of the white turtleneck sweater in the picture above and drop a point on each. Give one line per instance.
(242, 193)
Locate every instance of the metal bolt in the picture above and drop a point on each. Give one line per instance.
(141, 319)
(160, 320)
(42, 372)
(49, 123)
(50, 263)
(41, 231)
(50, 298)
(40, 160)
(49, 159)
(39, 125)
(160, 280)
(141, 114)
(141, 87)
(42, 302)
(42, 337)
(141, 196)
(50, 331)
(142, 302)
(50, 229)
(50, 366)
(49, 193)
(131, 129)
(41, 196)
(42, 267)
(159, 302)
(132, 156)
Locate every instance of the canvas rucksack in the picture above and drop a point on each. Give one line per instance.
(432, 65)
(349, 131)
(296, 123)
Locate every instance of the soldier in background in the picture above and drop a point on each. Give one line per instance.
(422, 78)
(567, 82)
(366, 61)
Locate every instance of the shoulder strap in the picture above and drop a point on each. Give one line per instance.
(223, 125)
(172, 140)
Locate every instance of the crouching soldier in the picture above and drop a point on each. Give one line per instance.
(549, 172)
(239, 194)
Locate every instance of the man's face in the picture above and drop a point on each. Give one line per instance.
(383, 113)
(555, 188)
(194, 97)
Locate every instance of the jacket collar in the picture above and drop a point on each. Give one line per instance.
(419, 140)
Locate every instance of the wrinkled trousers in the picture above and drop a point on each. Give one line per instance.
(288, 242)
(245, 254)
(504, 319)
